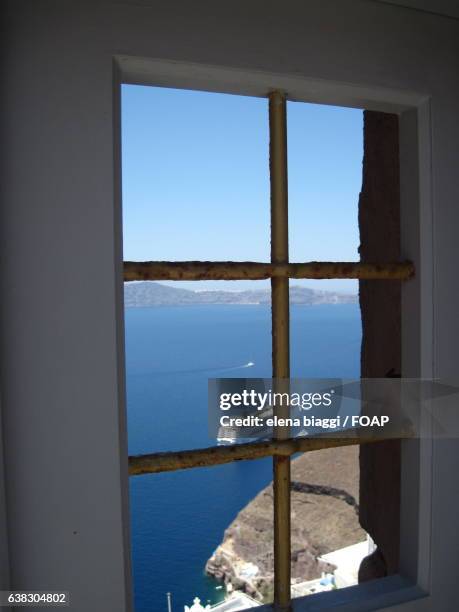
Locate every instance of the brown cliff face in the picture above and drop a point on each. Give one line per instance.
(380, 305)
(324, 518)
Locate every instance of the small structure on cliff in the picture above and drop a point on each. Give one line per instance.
(235, 602)
(196, 607)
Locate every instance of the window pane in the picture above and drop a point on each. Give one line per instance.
(188, 538)
(328, 543)
(195, 175)
(325, 150)
(174, 346)
(325, 330)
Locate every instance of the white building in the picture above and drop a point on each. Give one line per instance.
(347, 561)
(233, 603)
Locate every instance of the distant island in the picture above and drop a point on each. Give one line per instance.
(149, 293)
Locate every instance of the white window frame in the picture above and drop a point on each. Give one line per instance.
(412, 584)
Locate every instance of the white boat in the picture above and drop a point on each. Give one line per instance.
(225, 441)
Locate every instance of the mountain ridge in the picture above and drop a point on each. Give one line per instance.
(143, 294)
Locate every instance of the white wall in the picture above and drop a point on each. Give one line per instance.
(61, 382)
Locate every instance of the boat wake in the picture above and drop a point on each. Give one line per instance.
(243, 366)
(249, 364)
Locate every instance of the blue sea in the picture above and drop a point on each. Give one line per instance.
(178, 518)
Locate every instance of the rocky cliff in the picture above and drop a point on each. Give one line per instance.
(324, 518)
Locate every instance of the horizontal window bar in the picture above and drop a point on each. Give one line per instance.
(251, 270)
(217, 455)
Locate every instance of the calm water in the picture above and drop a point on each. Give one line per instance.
(178, 519)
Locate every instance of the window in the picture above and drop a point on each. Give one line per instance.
(279, 270)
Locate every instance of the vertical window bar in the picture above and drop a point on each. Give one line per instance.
(280, 341)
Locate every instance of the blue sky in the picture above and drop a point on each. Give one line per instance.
(196, 180)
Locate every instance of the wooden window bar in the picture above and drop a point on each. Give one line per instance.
(252, 270)
(279, 270)
(171, 461)
(280, 321)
